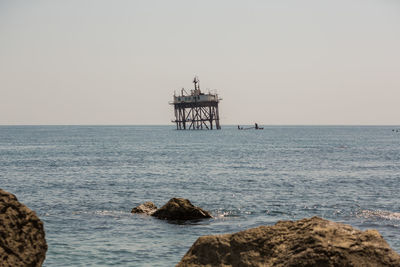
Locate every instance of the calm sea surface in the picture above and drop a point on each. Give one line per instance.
(83, 181)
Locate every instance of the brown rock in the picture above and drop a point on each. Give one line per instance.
(147, 208)
(307, 242)
(180, 209)
(22, 237)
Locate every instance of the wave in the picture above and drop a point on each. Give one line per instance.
(103, 213)
(379, 214)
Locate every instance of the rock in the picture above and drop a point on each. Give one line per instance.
(180, 209)
(307, 242)
(22, 237)
(147, 208)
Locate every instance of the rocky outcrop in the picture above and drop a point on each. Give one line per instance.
(180, 209)
(147, 208)
(22, 237)
(307, 242)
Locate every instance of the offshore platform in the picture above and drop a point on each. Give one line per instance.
(196, 110)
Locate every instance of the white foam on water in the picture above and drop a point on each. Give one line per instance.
(112, 213)
(387, 215)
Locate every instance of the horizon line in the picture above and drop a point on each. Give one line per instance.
(228, 125)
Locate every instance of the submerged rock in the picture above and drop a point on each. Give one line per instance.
(307, 242)
(180, 209)
(147, 208)
(22, 237)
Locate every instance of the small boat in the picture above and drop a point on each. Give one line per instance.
(249, 128)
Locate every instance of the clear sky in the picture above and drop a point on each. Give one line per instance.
(272, 61)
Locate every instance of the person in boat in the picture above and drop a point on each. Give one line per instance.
(256, 126)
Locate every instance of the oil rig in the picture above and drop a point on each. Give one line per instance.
(196, 110)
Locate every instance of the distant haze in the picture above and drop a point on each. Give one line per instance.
(272, 62)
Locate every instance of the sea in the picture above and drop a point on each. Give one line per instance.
(83, 181)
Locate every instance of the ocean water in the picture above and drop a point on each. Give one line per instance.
(82, 181)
